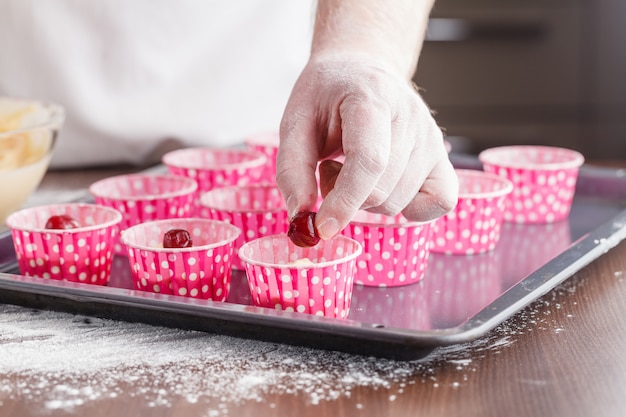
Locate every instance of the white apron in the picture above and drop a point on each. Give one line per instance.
(137, 76)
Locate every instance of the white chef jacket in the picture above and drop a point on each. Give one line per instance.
(134, 75)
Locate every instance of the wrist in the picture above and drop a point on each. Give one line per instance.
(354, 62)
(390, 35)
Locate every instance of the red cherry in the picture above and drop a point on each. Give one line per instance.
(302, 231)
(177, 238)
(62, 221)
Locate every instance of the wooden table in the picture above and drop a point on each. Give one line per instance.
(562, 356)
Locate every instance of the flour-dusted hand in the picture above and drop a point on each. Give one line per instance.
(355, 98)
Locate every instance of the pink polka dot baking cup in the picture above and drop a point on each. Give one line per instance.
(265, 143)
(216, 167)
(145, 197)
(544, 180)
(315, 280)
(395, 251)
(258, 210)
(203, 270)
(83, 254)
(474, 225)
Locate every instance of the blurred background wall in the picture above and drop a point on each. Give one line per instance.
(552, 72)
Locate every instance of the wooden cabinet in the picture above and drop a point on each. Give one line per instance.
(550, 72)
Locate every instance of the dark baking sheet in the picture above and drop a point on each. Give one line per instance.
(460, 299)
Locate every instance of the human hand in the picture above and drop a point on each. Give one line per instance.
(395, 158)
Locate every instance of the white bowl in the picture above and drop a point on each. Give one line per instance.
(28, 132)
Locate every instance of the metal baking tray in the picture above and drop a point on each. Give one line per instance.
(460, 299)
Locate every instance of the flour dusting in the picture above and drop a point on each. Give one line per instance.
(65, 361)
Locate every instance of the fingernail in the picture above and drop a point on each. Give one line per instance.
(292, 206)
(328, 229)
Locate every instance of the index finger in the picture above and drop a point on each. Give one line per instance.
(366, 136)
(295, 164)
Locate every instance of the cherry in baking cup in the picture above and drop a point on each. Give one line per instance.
(258, 210)
(474, 225)
(145, 197)
(265, 143)
(544, 180)
(201, 271)
(395, 250)
(316, 280)
(83, 254)
(213, 168)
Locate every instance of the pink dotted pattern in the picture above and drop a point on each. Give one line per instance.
(258, 210)
(201, 271)
(265, 143)
(316, 280)
(474, 225)
(145, 197)
(395, 251)
(544, 180)
(216, 167)
(82, 254)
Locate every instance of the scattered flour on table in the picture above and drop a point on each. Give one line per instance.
(64, 361)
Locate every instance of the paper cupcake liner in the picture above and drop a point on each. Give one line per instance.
(474, 225)
(258, 210)
(317, 280)
(201, 271)
(145, 197)
(395, 251)
(82, 254)
(544, 180)
(216, 167)
(267, 144)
